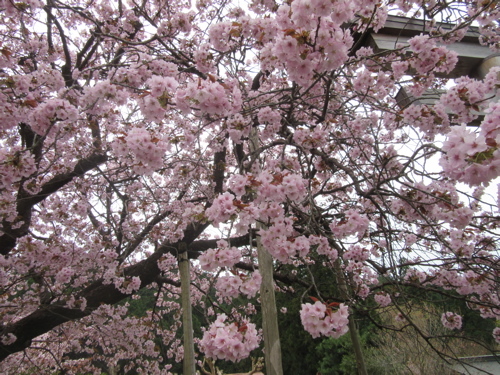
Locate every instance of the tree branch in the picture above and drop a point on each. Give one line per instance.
(26, 202)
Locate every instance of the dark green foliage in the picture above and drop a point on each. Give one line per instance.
(298, 347)
(337, 356)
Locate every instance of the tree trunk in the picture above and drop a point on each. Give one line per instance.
(353, 329)
(356, 344)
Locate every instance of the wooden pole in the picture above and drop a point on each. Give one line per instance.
(272, 345)
(187, 313)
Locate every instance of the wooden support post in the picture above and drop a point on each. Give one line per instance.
(272, 345)
(187, 313)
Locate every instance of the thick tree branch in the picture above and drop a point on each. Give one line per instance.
(196, 248)
(66, 68)
(219, 168)
(26, 202)
(48, 317)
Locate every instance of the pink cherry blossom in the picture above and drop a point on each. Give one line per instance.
(383, 299)
(229, 341)
(352, 224)
(133, 135)
(496, 334)
(451, 320)
(318, 319)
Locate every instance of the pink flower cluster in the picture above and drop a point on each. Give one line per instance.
(362, 276)
(496, 334)
(222, 35)
(300, 60)
(429, 120)
(353, 223)
(64, 275)
(490, 127)
(399, 68)
(430, 58)
(228, 286)
(251, 284)
(223, 256)
(320, 319)
(305, 24)
(209, 97)
(311, 138)
(450, 209)
(179, 21)
(281, 244)
(272, 119)
(465, 283)
(148, 150)
(415, 276)
(160, 86)
(46, 114)
(323, 247)
(463, 98)
(222, 208)
(127, 285)
(16, 165)
(232, 285)
(203, 58)
(270, 186)
(469, 157)
(161, 90)
(238, 127)
(102, 98)
(383, 299)
(356, 253)
(8, 339)
(229, 341)
(239, 184)
(267, 186)
(451, 320)
(280, 186)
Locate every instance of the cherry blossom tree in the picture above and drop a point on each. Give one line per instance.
(134, 132)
